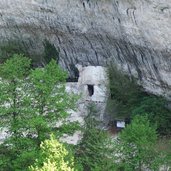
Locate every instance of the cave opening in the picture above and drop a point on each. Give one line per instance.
(90, 89)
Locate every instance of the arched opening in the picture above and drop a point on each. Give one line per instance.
(90, 89)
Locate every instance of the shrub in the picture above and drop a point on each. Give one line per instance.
(52, 156)
(125, 93)
(128, 99)
(135, 147)
(95, 152)
(155, 108)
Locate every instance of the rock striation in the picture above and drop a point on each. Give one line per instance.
(134, 34)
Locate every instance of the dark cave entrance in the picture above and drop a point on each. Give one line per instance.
(90, 89)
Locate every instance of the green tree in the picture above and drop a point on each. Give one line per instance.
(125, 93)
(8, 49)
(128, 99)
(13, 108)
(31, 103)
(53, 156)
(95, 152)
(13, 74)
(51, 101)
(155, 108)
(135, 147)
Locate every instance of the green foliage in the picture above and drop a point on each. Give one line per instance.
(125, 93)
(15, 68)
(31, 103)
(13, 74)
(136, 146)
(155, 108)
(128, 99)
(24, 157)
(94, 152)
(13, 109)
(164, 146)
(50, 52)
(51, 101)
(69, 128)
(52, 157)
(21, 47)
(12, 47)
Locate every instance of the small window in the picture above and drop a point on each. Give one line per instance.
(90, 89)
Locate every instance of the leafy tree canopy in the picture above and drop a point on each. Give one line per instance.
(136, 146)
(52, 157)
(32, 102)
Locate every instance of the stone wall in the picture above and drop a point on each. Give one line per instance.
(96, 76)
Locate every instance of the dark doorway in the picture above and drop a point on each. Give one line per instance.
(90, 89)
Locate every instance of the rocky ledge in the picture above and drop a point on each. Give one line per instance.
(134, 34)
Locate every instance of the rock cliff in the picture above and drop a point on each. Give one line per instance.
(135, 34)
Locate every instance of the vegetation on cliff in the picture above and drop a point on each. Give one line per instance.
(128, 99)
(32, 101)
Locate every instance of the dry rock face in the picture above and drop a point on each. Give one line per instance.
(135, 34)
(95, 77)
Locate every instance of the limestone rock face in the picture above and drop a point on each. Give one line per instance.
(96, 95)
(93, 83)
(135, 34)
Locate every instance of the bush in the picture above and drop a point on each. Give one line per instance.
(31, 103)
(155, 108)
(128, 99)
(95, 152)
(136, 146)
(12, 47)
(125, 93)
(52, 156)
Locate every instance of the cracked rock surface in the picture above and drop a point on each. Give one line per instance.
(135, 34)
